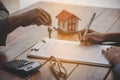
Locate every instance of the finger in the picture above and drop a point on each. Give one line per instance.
(85, 43)
(45, 14)
(90, 37)
(90, 31)
(88, 40)
(41, 17)
(81, 31)
(80, 38)
(80, 35)
(91, 41)
(107, 49)
(38, 23)
(48, 22)
(48, 17)
(88, 43)
(39, 14)
(106, 54)
(34, 14)
(113, 47)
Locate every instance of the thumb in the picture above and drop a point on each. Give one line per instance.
(103, 52)
(88, 36)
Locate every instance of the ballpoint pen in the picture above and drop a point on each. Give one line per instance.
(87, 28)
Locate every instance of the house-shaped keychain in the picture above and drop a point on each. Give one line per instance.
(67, 22)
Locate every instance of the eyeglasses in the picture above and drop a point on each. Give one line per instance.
(57, 68)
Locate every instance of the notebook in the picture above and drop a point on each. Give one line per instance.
(70, 51)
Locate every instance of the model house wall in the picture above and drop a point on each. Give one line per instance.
(67, 21)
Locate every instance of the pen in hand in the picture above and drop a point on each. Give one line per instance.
(87, 28)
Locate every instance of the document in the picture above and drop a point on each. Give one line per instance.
(70, 51)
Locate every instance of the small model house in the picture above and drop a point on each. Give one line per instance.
(67, 22)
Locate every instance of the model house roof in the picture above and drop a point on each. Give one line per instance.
(65, 15)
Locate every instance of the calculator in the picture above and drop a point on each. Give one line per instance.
(21, 68)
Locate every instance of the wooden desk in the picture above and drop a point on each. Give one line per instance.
(22, 39)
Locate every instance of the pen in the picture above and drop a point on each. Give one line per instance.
(86, 30)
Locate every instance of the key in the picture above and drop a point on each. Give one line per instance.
(49, 31)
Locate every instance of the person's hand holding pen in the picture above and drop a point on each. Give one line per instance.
(92, 37)
(88, 37)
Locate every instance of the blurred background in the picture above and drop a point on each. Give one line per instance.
(15, 5)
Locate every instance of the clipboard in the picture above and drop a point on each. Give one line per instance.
(69, 51)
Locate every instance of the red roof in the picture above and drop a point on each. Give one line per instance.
(65, 15)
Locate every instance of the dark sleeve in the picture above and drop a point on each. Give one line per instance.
(4, 27)
(3, 8)
(116, 72)
(4, 24)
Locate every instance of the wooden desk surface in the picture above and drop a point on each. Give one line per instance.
(22, 39)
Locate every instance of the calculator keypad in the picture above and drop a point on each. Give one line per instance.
(16, 63)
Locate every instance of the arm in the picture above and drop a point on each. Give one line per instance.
(10, 23)
(35, 16)
(94, 37)
(112, 37)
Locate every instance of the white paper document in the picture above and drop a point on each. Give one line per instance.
(70, 51)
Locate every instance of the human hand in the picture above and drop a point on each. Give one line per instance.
(36, 16)
(112, 54)
(92, 37)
